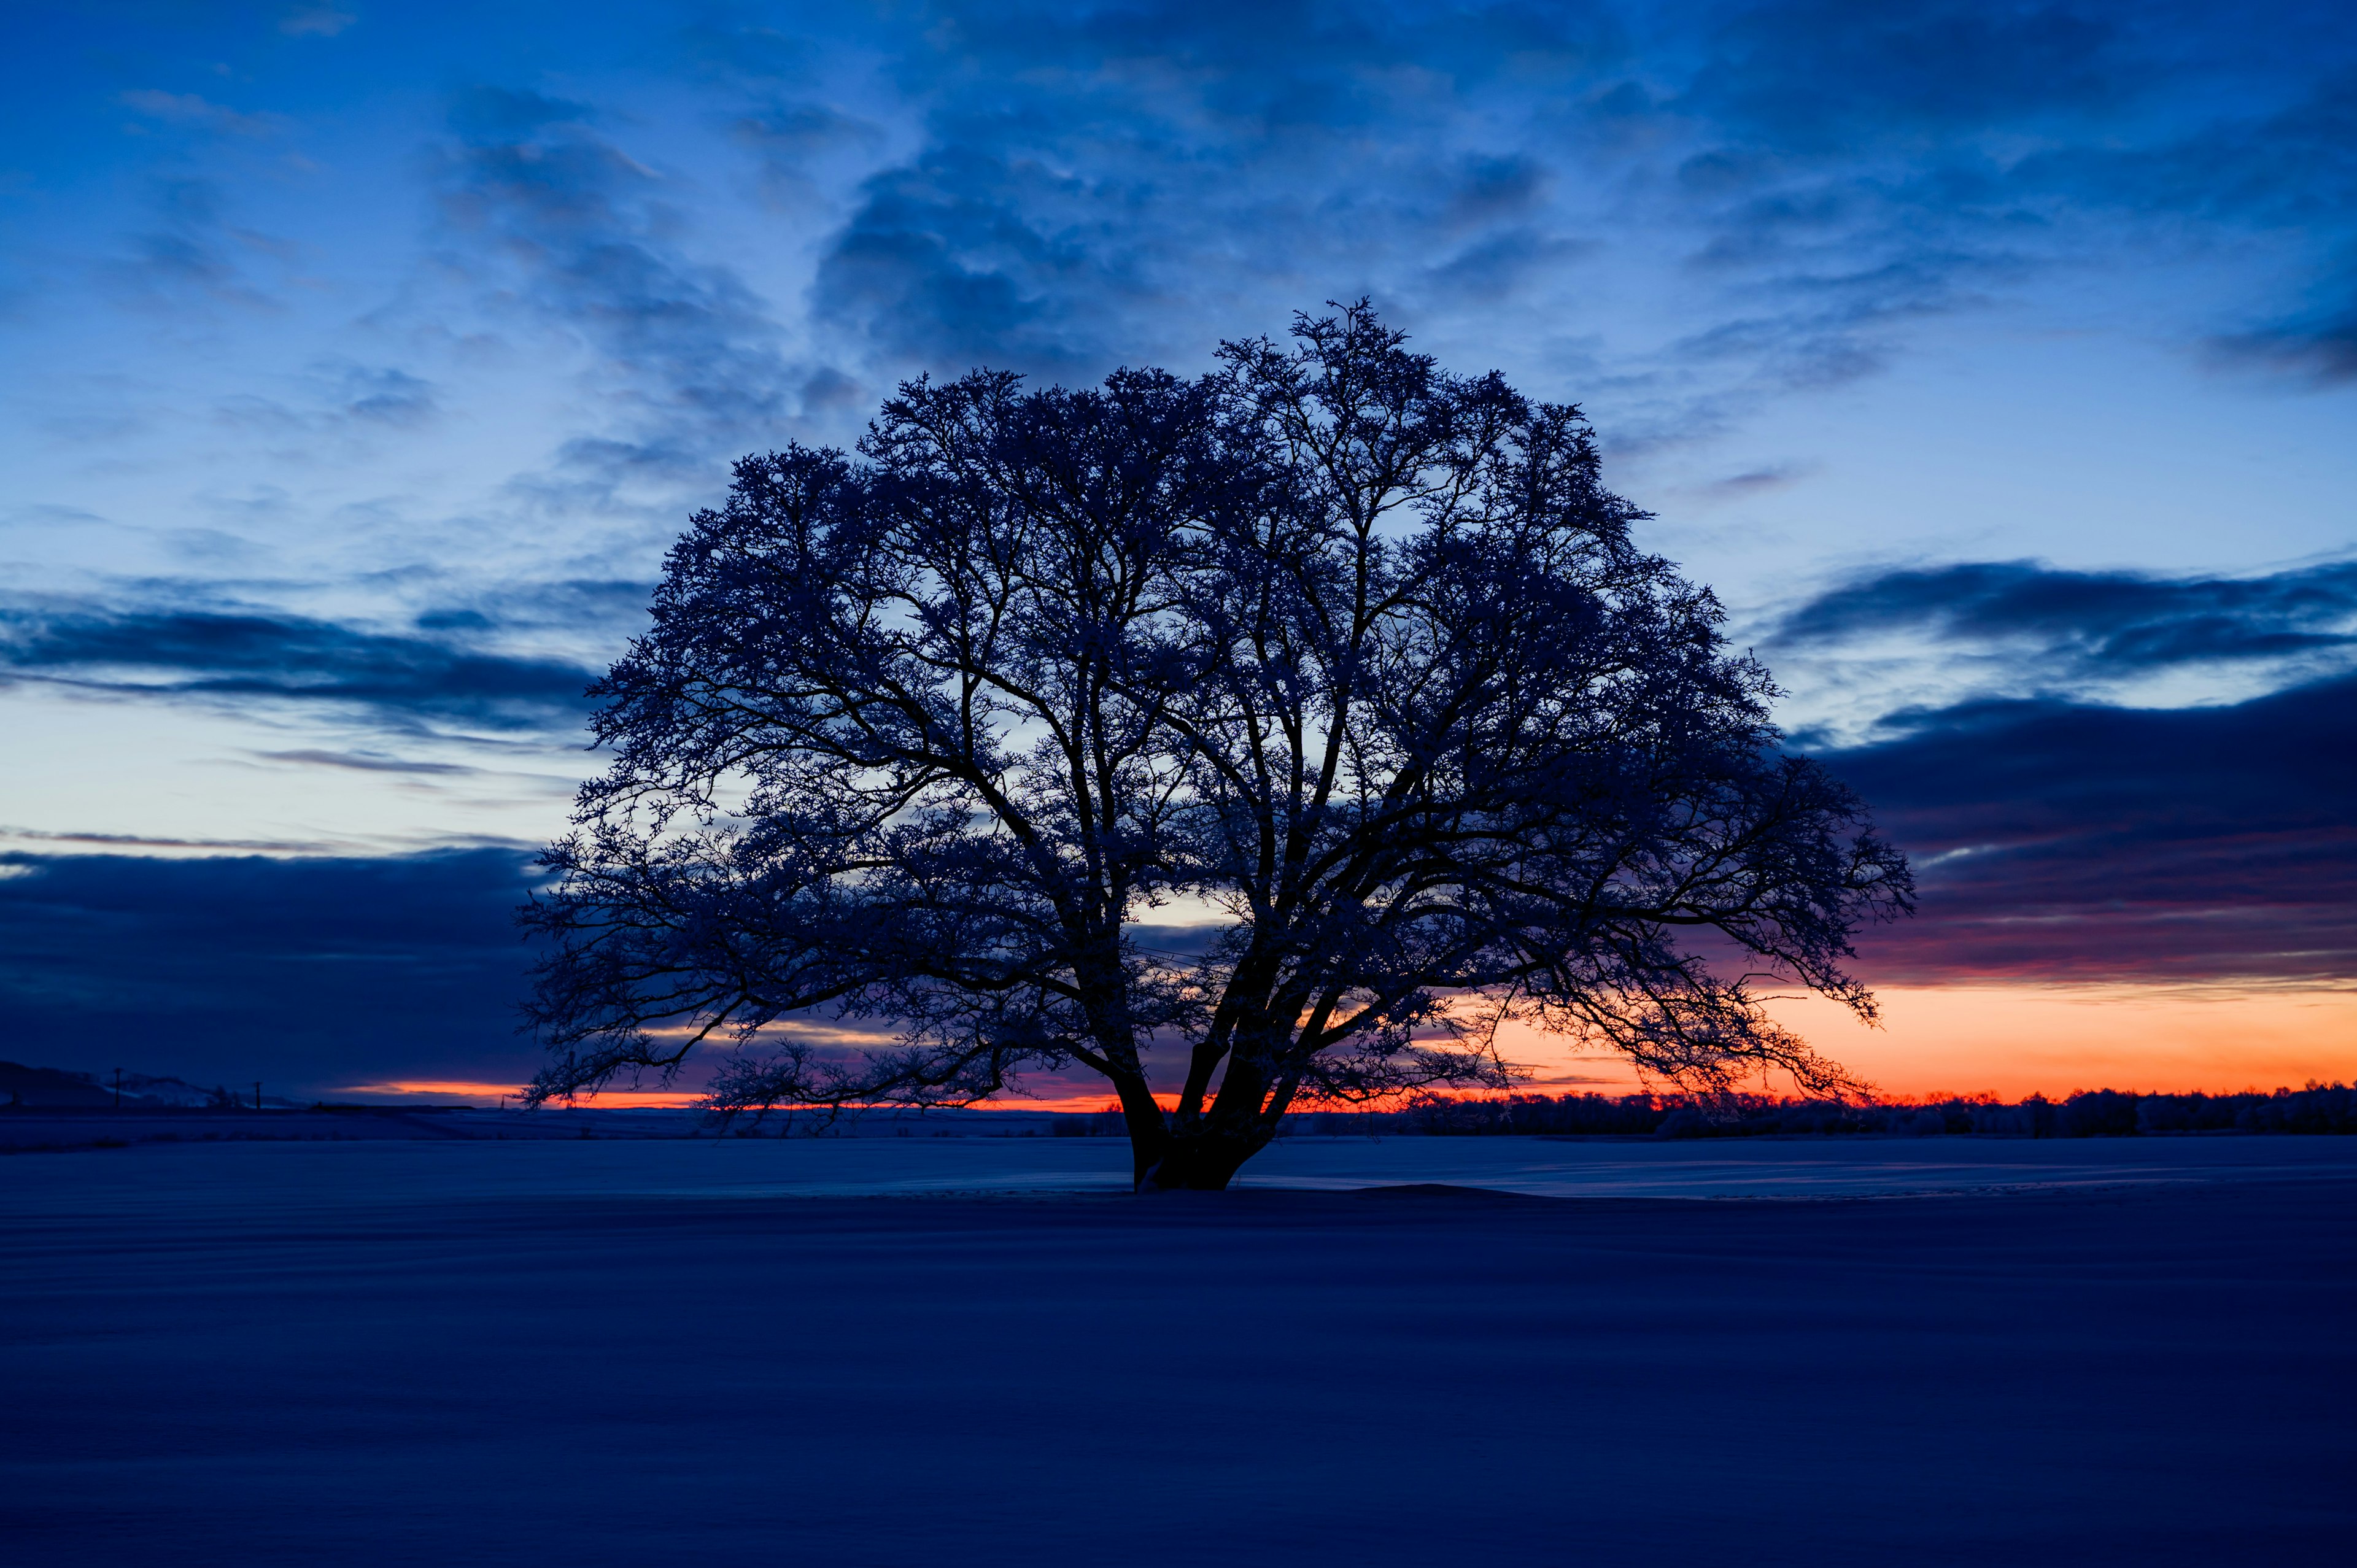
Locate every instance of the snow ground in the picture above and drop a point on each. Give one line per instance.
(146, 1180)
(826, 1352)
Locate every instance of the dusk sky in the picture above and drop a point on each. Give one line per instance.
(1996, 363)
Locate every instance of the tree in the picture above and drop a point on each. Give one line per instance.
(1351, 655)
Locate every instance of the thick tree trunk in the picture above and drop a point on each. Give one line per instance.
(1193, 1153)
(1202, 1153)
(1203, 1163)
(1149, 1133)
(1201, 1160)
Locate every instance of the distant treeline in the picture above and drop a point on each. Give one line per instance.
(2095, 1113)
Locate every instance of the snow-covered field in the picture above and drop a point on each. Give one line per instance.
(147, 1180)
(833, 1351)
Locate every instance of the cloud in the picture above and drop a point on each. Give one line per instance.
(303, 973)
(1754, 482)
(963, 258)
(2061, 840)
(361, 762)
(2080, 626)
(1130, 183)
(2287, 162)
(1970, 143)
(142, 840)
(249, 656)
(346, 395)
(2317, 346)
(192, 112)
(383, 395)
(1057, 190)
(793, 141)
(1823, 75)
(315, 21)
(2053, 841)
(607, 609)
(587, 240)
(193, 252)
(1496, 266)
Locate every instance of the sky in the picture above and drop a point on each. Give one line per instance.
(1996, 363)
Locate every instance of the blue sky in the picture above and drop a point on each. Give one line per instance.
(1997, 363)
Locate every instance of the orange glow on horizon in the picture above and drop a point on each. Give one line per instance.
(2010, 1041)
(623, 1099)
(461, 1089)
(2014, 1040)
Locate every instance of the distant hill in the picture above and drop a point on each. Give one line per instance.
(47, 1087)
(55, 1088)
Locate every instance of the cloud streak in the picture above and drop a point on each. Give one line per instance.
(247, 656)
(2077, 626)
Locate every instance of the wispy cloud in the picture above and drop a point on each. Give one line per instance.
(365, 762)
(191, 111)
(315, 21)
(581, 235)
(191, 251)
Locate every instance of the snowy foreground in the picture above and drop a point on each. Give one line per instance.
(979, 1351)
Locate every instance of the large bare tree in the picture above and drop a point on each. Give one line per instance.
(1351, 658)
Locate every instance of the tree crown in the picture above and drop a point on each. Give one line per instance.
(1354, 658)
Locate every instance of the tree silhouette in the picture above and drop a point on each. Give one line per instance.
(1351, 656)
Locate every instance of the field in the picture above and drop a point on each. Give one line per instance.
(978, 1350)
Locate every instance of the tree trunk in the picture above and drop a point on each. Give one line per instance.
(1201, 1161)
(1201, 1154)
(1149, 1133)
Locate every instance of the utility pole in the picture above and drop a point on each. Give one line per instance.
(257, 1094)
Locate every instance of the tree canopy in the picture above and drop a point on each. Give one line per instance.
(1347, 659)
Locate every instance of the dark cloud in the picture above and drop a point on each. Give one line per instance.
(218, 654)
(1495, 186)
(2071, 841)
(1823, 75)
(1108, 184)
(1112, 183)
(2319, 347)
(2077, 625)
(1285, 60)
(1965, 144)
(2276, 164)
(305, 973)
(963, 258)
(2052, 840)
